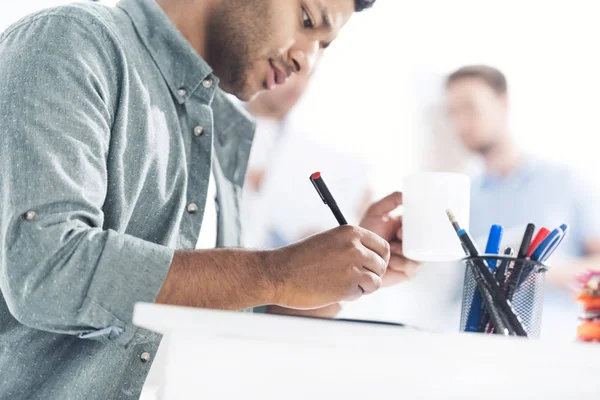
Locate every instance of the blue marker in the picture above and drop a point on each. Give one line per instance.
(493, 244)
(492, 247)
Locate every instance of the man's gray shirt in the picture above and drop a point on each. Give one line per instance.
(108, 122)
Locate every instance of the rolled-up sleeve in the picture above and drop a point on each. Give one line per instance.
(60, 271)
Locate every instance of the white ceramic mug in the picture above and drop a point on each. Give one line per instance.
(427, 234)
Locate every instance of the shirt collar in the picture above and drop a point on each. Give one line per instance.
(180, 64)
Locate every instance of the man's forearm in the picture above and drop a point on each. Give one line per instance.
(226, 279)
(341, 264)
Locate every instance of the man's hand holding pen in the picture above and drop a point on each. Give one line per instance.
(379, 220)
(341, 264)
(363, 249)
(377, 224)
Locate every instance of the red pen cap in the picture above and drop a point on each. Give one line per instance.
(539, 238)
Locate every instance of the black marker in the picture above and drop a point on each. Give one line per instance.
(328, 199)
(515, 276)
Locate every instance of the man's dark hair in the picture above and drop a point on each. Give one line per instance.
(490, 75)
(360, 5)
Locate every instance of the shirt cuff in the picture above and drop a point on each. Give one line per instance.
(129, 271)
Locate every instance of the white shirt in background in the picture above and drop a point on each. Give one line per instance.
(208, 230)
(255, 214)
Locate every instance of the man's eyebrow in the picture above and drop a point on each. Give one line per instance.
(324, 15)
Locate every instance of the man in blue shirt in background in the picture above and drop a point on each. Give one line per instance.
(516, 188)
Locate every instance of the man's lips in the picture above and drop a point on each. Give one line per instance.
(275, 76)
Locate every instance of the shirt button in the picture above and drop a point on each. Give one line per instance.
(30, 215)
(182, 92)
(192, 208)
(198, 131)
(208, 82)
(145, 357)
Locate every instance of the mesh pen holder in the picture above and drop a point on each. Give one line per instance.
(526, 297)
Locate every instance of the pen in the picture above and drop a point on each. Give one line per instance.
(510, 318)
(493, 244)
(327, 198)
(496, 317)
(544, 250)
(526, 242)
(475, 316)
(488, 301)
(550, 250)
(518, 273)
(500, 274)
(501, 271)
(546, 244)
(538, 239)
(517, 269)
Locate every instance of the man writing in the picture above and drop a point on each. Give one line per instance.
(113, 129)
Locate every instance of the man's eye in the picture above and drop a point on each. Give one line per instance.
(306, 20)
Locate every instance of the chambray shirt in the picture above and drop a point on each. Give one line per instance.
(108, 122)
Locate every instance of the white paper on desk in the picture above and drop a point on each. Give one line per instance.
(293, 205)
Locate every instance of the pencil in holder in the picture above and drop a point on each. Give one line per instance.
(522, 282)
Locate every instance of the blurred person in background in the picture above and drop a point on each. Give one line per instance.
(277, 119)
(515, 188)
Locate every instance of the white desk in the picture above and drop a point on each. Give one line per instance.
(230, 355)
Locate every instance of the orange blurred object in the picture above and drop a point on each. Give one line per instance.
(589, 331)
(590, 303)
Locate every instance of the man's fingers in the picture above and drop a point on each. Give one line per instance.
(371, 261)
(396, 248)
(375, 243)
(385, 205)
(399, 229)
(392, 278)
(395, 224)
(356, 294)
(369, 282)
(402, 264)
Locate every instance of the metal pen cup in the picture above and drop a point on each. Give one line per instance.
(523, 284)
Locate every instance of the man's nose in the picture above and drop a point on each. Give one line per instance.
(304, 56)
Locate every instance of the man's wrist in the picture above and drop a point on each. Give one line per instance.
(271, 271)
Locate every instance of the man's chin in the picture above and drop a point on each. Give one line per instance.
(245, 93)
(248, 96)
